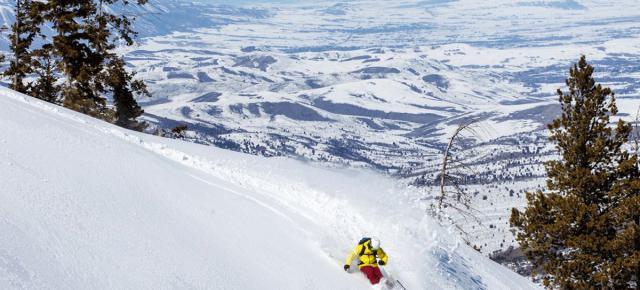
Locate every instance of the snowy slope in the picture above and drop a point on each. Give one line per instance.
(86, 205)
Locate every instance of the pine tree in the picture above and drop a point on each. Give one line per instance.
(584, 232)
(80, 63)
(123, 88)
(121, 84)
(44, 67)
(24, 30)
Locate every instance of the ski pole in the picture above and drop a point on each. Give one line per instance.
(399, 283)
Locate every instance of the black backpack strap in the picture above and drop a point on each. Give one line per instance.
(362, 242)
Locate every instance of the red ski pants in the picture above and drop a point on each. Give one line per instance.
(373, 274)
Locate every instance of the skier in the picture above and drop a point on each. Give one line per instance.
(370, 255)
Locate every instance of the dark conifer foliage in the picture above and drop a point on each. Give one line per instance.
(123, 88)
(23, 32)
(584, 232)
(44, 64)
(80, 62)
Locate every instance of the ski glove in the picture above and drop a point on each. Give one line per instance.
(381, 263)
(346, 268)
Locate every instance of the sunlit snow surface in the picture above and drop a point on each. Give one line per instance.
(87, 205)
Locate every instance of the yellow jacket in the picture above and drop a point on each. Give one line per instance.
(367, 256)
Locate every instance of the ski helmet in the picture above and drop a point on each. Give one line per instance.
(375, 243)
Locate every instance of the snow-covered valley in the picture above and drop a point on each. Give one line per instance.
(87, 205)
(382, 85)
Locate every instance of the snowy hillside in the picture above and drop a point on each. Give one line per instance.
(87, 205)
(378, 83)
(382, 84)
